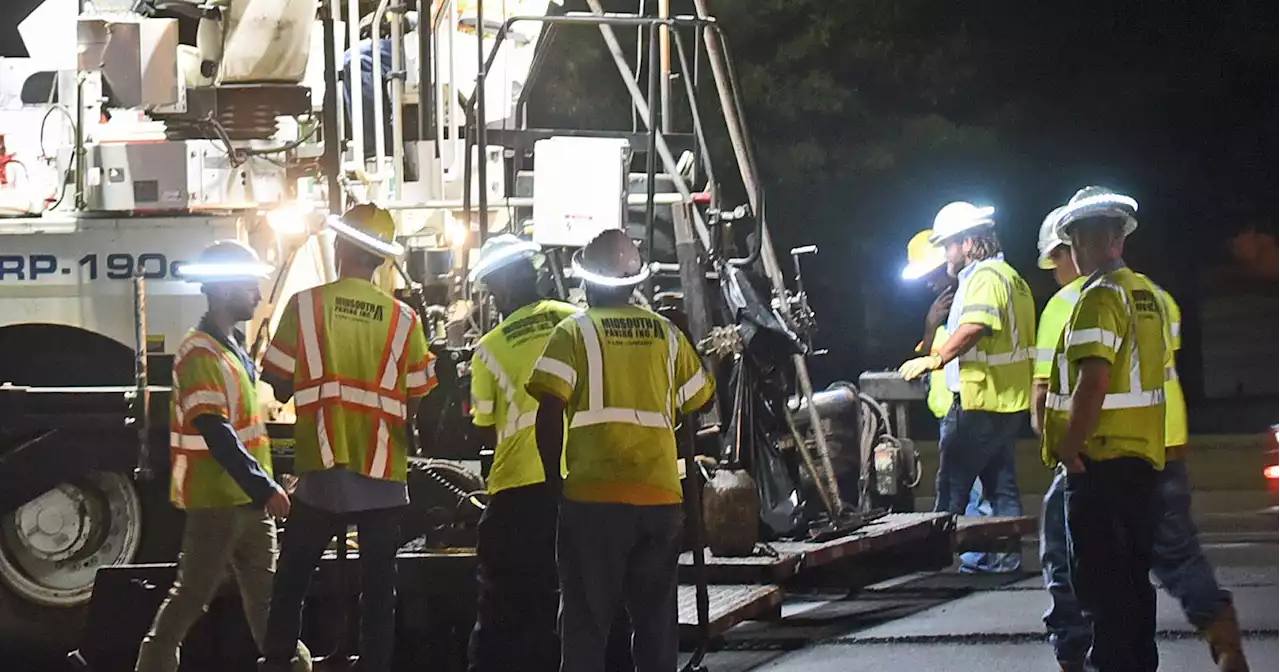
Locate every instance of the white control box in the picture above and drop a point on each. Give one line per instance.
(579, 188)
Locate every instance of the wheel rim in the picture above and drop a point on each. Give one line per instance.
(51, 547)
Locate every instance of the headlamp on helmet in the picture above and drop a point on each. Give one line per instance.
(1095, 202)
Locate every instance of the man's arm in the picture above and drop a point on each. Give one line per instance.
(280, 360)
(281, 387)
(231, 455)
(1086, 409)
(966, 336)
(1040, 393)
(548, 431)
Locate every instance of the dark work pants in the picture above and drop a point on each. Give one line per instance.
(518, 590)
(614, 555)
(1111, 532)
(303, 541)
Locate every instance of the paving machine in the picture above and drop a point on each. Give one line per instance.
(139, 131)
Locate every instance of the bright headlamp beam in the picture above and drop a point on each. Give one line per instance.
(228, 271)
(606, 281)
(500, 259)
(365, 240)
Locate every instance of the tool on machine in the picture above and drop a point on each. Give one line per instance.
(891, 461)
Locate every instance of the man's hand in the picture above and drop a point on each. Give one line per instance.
(1069, 454)
(278, 504)
(914, 368)
(939, 311)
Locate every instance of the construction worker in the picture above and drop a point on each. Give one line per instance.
(1178, 561)
(987, 358)
(356, 363)
(928, 263)
(518, 590)
(1104, 422)
(221, 463)
(622, 375)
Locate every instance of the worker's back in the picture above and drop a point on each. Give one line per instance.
(624, 374)
(356, 356)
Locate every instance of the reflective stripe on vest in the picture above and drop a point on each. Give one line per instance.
(596, 413)
(1136, 397)
(183, 448)
(515, 421)
(379, 398)
(1000, 359)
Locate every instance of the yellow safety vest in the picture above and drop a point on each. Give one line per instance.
(209, 378)
(1118, 318)
(356, 356)
(1052, 321)
(940, 398)
(502, 362)
(995, 374)
(1175, 402)
(624, 374)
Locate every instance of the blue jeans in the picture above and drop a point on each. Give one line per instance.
(368, 85)
(1177, 562)
(979, 446)
(979, 505)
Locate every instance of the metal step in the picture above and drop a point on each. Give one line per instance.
(991, 533)
(730, 605)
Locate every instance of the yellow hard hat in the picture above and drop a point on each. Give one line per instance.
(225, 261)
(369, 227)
(923, 257)
(611, 259)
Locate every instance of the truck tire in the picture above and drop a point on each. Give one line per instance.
(51, 548)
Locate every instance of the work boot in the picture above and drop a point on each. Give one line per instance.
(1223, 634)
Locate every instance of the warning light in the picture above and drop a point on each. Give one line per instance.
(1272, 472)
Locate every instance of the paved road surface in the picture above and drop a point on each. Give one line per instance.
(949, 622)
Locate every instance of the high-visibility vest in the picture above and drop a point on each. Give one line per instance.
(209, 378)
(995, 374)
(1053, 319)
(356, 356)
(1175, 402)
(1117, 318)
(624, 374)
(502, 362)
(940, 398)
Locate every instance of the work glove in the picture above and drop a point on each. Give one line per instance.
(914, 368)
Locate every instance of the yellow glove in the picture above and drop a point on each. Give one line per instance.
(914, 368)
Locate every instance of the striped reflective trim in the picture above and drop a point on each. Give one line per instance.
(196, 442)
(1175, 329)
(416, 379)
(1108, 339)
(999, 359)
(403, 320)
(203, 398)
(322, 438)
(557, 368)
(278, 359)
(979, 308)
(622, 416)
(1170, 374)
(178, 476)
(1044, 355)
(307, 316)
(507, 387)
(595, 361)
(334, 390)
(691, 388)
(482, 406)
(1145, 399)
(517, 425)
(378, 467)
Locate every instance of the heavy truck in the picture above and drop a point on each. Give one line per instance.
(137, 132)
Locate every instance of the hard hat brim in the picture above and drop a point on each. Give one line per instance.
(918, 269)
(523, 250)
(594, 278)
(366, 242)
(212, 273)
(984, 218)
(1108, 205)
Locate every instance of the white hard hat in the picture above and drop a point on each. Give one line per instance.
(1098, 202)
(1049, 238)
(959, 217)
(225, 261)
(611, 259)
(500, 251)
